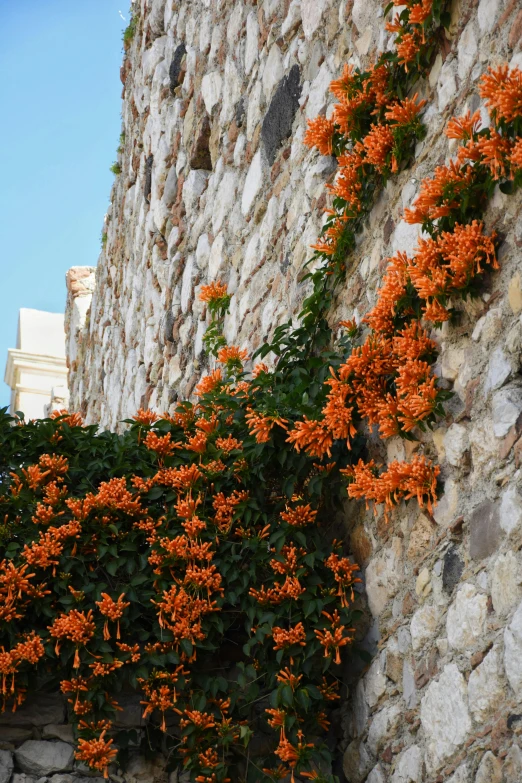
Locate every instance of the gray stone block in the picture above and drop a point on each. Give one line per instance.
(485, 530)
(279, 118)
(38, 710)
(6, 766)
(38, 757)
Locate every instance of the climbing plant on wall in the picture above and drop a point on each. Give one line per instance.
(191, 558)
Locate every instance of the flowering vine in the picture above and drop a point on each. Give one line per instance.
(388, 379)
(192, 558)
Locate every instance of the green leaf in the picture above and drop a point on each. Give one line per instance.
(287, 696)
(186, 646)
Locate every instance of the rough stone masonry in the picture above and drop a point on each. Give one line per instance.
(215, 184)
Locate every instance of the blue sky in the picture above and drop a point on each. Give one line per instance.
(60, 99)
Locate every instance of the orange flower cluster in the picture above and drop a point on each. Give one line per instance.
(209, 383)
(388, 380)
(299, 516)
(344, 572)
(367, 151)
(291, 589)
(402, 480)
(113, 610)
(145, 417)
(97, 753)
(284, 639)
(212, 292)
(231, 355)
(160, 692)
(75, 626)
(261, 426)
(225, 508)
(30, 651)
(161, 444)
(502, 90)
(334, 638)
(445, 265)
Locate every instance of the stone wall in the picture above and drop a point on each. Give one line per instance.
(215, 183)
(37, 746)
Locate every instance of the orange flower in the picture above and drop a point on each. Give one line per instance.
(261, 426)
(420, 12)
(377, 146)
(97, 753)
(515, 157)
(290, 754)
(320, 134)
(335, 638)
(502, 91)
(229, 444)
(75, 626)
(284, 639)
(277, 719)
(161, 444)
(312, 436)
(145, 417)
(299, 516)
(329, 691)
(495, 152)
(201, 720)
(182, 478)
(338, 416)
(213, 292)
(344, 575)
(286, 676)
(259, 368)
(72, 420)
(197, 443)
(345, 86)
(104, 669)
(231, 354)
(209, 383)
(406, 111)
(441, 194)
(408, 48)
(464, 128)
(417, 478)
(113, 610)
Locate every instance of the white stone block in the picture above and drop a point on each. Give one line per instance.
(409, 766)
(511, 508)
(211, 86)
(312, 15)
(506, 579)
(513, 652)
(444, 716)
(466, 618)
(424, 625)
(253, 183)
(485, 689)
(252, 41)
(456, 443)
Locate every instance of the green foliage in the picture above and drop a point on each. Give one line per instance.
(130, 31)
(121, 543)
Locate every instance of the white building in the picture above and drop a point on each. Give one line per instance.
(36, 370)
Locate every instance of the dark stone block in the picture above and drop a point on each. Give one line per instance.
(485, 530)
(239, 112)
(148, 177)
(200, 153)
(176, 70)
(38, 710)
(452, 571)
(279, 118)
